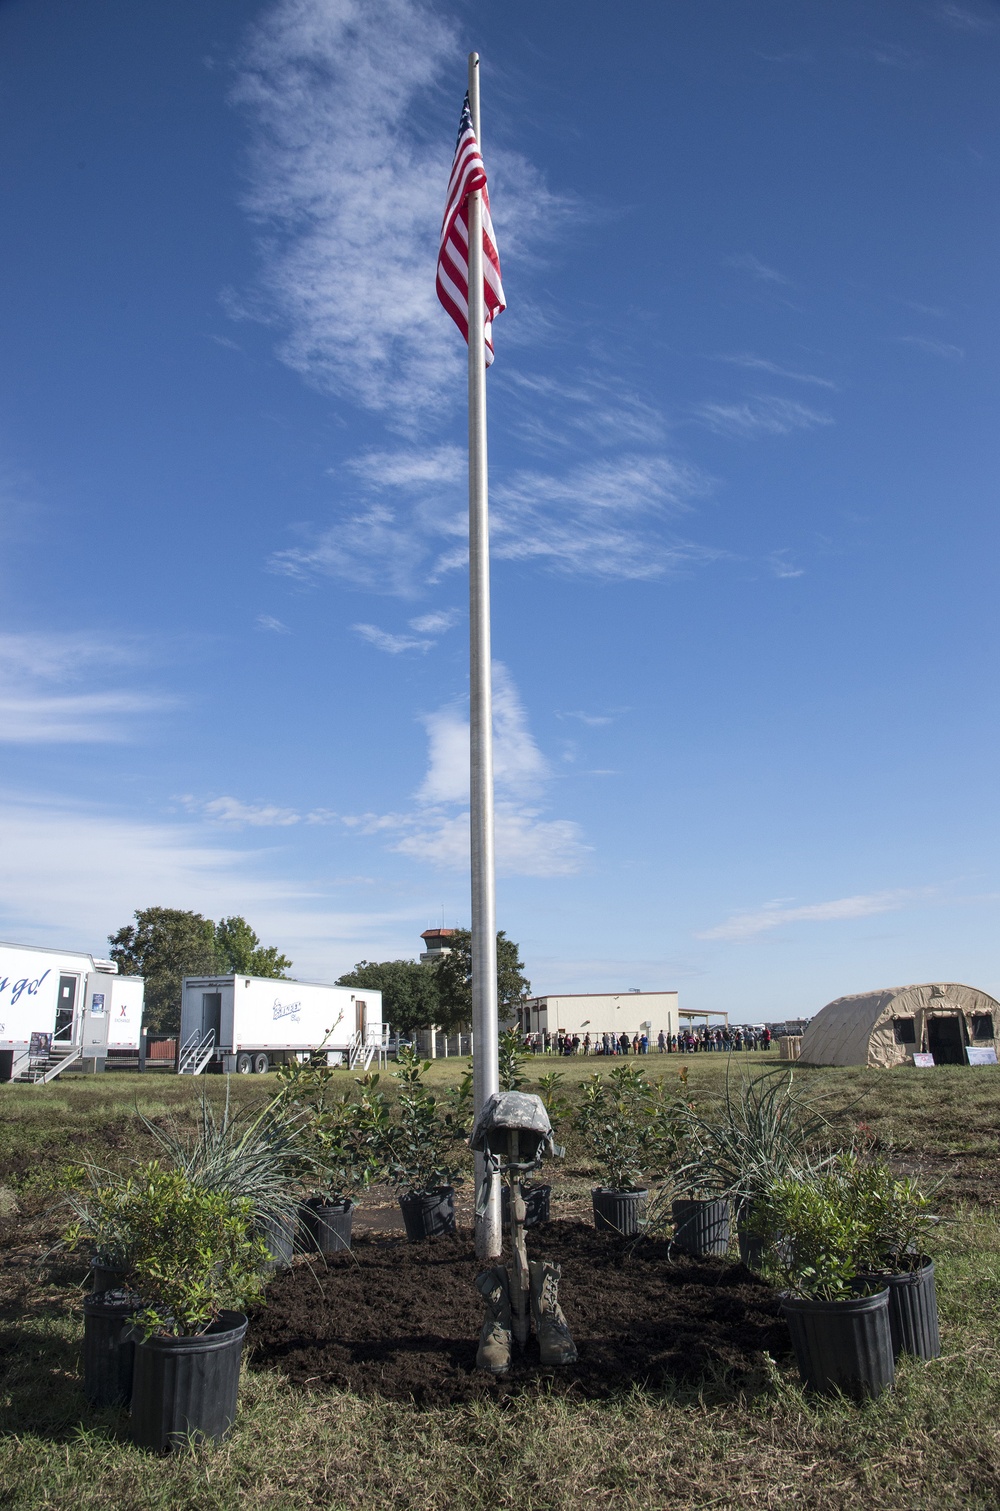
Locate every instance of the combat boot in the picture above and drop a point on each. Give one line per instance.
(554, 1342)
(495, 1339)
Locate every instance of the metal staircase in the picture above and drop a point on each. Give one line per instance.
(42, 1068)
(361, 1051)
(196, 1052)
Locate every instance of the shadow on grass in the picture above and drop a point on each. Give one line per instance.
(41, 1381)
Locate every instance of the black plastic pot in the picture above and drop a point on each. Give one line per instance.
(104, 1278)
(701, 1227)
(428, 1213)
(279, 1235)
(108, 1347)
(751, 1247)
(913, 1308)
(536, 1204)
(183, 1386)
(842, 1345)
(328, 1224)
(618, 1211)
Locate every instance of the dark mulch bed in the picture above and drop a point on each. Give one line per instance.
(402, 1320)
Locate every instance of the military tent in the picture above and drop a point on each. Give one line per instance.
(887, 1027)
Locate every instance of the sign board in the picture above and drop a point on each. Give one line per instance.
(40, 1044)
(97, 1005)
(923, 1061)
(981, 1056)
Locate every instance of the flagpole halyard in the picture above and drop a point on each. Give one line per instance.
(485, 1024)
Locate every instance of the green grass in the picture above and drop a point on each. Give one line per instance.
(934, 1443)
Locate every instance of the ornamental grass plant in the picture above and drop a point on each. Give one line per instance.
(258, 1154)
(758, 1131)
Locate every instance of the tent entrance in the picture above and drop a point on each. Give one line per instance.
(945, 1040)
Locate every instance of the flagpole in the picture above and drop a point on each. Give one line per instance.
(485, 1027)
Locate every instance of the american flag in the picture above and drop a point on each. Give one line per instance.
(467, 175)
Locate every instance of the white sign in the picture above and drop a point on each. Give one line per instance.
(981, 1056)
(923, 1061)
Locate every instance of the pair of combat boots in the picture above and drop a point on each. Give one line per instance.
(555, 1346)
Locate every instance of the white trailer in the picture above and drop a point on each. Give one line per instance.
(63, 1007)
(250, 1023)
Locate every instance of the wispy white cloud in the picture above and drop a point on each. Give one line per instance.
(229, 810)
(411, 468)
(774, 915)
(371, 548)
(933, 348)
(763, 415)
(237, 814)
(268, 622)
(436, 830)
(964, 19)
(781, 566)
(892, 55)
(51, 892)
(764, 364)
(437, 623)
(32, 711)
(609, 517)
(602, 518)
(393, 645)
(748, 263)
(562, 410)
(593, 721)
(349, 185)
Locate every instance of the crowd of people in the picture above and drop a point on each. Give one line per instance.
(689, 1041)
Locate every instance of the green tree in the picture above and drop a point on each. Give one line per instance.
(165, 944)
(244, 955)
(454, 979)
(409, 991)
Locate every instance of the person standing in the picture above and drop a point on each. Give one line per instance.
(661, 1042)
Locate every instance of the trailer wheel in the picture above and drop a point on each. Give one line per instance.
(261, 1064)
(244, 1064)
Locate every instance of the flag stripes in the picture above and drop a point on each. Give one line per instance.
(467, 175)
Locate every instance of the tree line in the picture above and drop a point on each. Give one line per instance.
(165, 944)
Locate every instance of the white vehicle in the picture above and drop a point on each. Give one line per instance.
(250, 1023)
(60, 1008)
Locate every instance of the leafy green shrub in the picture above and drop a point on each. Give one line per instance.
(632, 1128)
(511, 1057)
(334, 1131)
(422, 1145)
(825, 1228)
(191, 1252)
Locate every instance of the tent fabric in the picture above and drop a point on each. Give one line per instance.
(859, 1030)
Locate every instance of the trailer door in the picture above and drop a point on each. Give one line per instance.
(211, 1013)
(361, 1018)
(66, 1008)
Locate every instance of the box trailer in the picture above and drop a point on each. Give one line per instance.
(62, 1007)
(251, 1023)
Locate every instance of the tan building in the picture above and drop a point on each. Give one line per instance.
(597, 1013)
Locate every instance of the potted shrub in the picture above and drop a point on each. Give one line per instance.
(629, 1128)
(96, 1199)
(898, 1221)
(817, 1233)
(196, 1262)
(339, 1159)
(421, 1148)
(757, 1132)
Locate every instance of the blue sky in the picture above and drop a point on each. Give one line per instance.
(743, 444)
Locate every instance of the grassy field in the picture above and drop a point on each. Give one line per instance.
(934, 1443)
